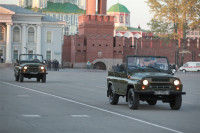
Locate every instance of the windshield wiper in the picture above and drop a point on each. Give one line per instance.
(154, 68)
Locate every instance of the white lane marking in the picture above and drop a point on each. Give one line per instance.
(80, 116)
(23, 95)
(79, 83)
(97, 108)
(31, 116)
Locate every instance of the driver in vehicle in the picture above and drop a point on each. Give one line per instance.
(36, 59)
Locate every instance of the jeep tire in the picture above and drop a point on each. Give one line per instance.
(38, 79)
(21, 78)
(113, 98)
(16, 77)
(44, 78)
(175, 104)
(133, 99)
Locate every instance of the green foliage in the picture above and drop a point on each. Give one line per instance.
(174, 15)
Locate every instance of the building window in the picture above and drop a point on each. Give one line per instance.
(99, 54)
(31, 33)
(61, 16)
(15, 54)
(76, 20)
(116, 19)
(72, 19)
(49, 36)
(66, 30)
(121, 19)
(57, 16)
(2, 33)
(67, 19)
(48, 55)
(126, 19)
(77, 29)
(16, 34)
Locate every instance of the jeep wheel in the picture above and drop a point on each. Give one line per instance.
(175, 104)
(151, 102)
(44, 78)
(133, 99)
(21, 78)
(38, 79)
(113, 98)
(16, 77)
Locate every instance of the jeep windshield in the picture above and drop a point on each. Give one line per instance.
(29, 58)
(147, 64)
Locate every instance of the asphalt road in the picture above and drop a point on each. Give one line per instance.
(74, 101)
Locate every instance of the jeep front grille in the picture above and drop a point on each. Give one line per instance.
(160, 79)
(160, 86)
(33, 68)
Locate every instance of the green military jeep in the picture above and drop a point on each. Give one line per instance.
(145, 78)
(30, 66)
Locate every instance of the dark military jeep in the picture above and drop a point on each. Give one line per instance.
(145, 78)
(30, 66)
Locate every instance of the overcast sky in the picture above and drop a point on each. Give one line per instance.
(140, 14)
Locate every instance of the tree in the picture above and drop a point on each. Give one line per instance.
(179, 16)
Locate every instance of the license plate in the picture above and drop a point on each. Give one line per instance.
(161, 93)
(33, 73)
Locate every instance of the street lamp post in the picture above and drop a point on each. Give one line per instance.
(26, 49)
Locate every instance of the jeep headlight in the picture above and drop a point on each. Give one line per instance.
(176, 82)
(42, 67)
(145, 82)
(25, 67)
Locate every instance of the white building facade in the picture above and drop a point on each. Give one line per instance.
(23, 31)
(194, 33)
(64, 10)
(43, 3)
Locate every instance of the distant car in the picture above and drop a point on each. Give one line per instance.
(30, 66)
(190, 67)
(145, 78)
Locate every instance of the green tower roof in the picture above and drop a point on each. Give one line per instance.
(118, 8)
(62, 8)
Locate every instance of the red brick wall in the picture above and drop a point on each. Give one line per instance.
(102, 7)
(81, 49)
(91, 7)
(157, 47)
(66, 49)
(97, 44)
(96, 25)
(118, 47)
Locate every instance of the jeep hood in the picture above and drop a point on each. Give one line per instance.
(149, 74)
